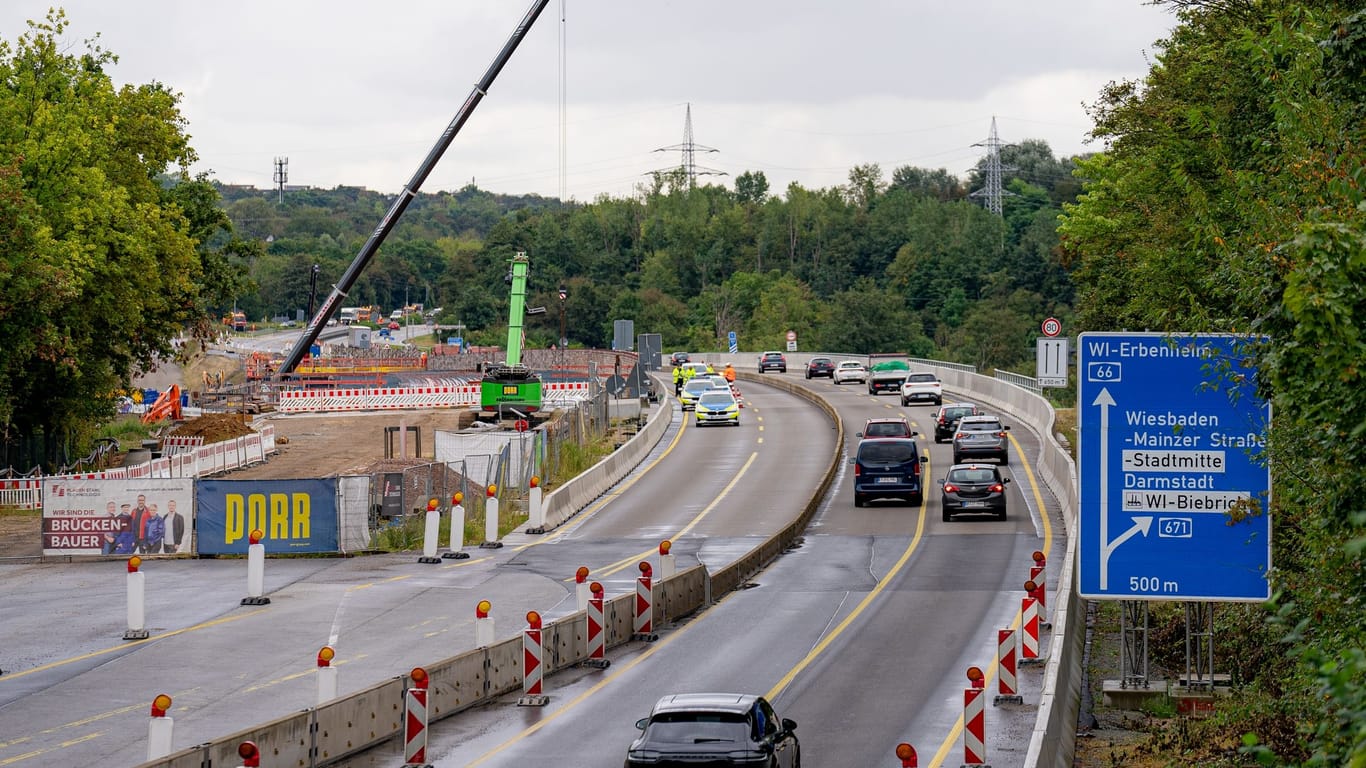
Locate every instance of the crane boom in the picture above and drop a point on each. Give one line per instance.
(517, 308)
(400, 204)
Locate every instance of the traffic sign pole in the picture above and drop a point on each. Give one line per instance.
(1173, 486)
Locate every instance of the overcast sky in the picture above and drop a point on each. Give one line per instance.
(356, 93)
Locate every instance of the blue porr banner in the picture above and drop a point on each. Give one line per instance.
(295, 515)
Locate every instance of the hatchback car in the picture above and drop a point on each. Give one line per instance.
(772, 361)
(981, 436)
(715, 729)
(717, 406)
(820, 366)
(887, 468)
(921, 387)
(693, 390)
(679, 358)
(946, 419)
(973, 488)
(850, 370)
(890, 427)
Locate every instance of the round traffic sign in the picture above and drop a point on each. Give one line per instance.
(1052, 327)
(791, 335)
(522, 425)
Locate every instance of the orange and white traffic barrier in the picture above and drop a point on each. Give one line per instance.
(457, 534)
(1038, 575)
(483, 624)
(906, 754)
(535, 509)
(533, 670)
(415, 721)
(1007, 684)
(250, 754)
(491, 519)
(431, 532)
(974, 719)
(1029, 631)
(667, 566)
(581, 587)
(597, 630)
(256, 570)
(643, 616)
(137, 601)
(160, 728)
(327, 675)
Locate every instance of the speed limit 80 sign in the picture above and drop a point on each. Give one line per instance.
(1052, 327)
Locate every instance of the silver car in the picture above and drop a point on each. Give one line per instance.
(981, 437)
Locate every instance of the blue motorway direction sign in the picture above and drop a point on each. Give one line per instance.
(1174, 494)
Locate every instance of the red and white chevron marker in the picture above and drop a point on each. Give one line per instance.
(906, 754)
(974, 719)
(597, 630)
(1007, 685)
(533, 671)
(415, 721)
(1038, 576)
(667, 566)
(581, 587)
(1029, 626)
(644, 612)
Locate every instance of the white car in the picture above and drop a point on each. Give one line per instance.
(850, 370)
(922, 387)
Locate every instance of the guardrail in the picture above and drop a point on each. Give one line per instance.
(1020, 380)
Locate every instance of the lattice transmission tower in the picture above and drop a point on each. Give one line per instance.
(991, 191)
(689, 150)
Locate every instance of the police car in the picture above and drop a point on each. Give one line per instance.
(717, 406)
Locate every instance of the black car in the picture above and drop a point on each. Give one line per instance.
(946, 420)
(974, 488)
(714, 729)
(679, 358)
(820, 366)
(887, 468)
(772, 361)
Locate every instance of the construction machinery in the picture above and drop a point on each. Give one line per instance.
(510, 389)
(410, 190)
(167, 406)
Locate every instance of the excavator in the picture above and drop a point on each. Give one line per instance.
(510, 389)
(167, 406)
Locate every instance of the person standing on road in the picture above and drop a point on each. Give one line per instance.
(678, 380)
(729, 373)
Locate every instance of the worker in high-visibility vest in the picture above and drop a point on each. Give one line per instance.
(679, 377)
(729, 373)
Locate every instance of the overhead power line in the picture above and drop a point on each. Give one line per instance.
(689, 149)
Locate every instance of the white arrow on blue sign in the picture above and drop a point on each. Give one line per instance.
(733, 342)
(1173, 488)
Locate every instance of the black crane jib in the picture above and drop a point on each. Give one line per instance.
(367, 251)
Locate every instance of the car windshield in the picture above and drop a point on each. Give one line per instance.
(820, 361)
(772, 356)
(851, 365)
(974, 475)
(922, 377)
(697, 386)
(886, 429)
(956, 413)
(886, 453)
(716, 398)
(979, 426)
(697, 728)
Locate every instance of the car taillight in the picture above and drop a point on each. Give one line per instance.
(942, 420)
(915, 469)
(998, 488)
(950, 488)
(1001, 434)
(858, 470)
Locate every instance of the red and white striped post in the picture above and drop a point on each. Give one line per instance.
(250, 754)
(1038, 576)
(160, 728)
(643, 617)
(491, 519)
(483, 624)
(906, 754)
(327, 674)
(581, 587)
(535, 510)
(533, 670)
(1029, 628)
(667, 565)
(415, 721)
(431, 533)
(974, 719)
(256, 570)
(597, 630)
(1007, 685)
(457, 533)
(137, 601)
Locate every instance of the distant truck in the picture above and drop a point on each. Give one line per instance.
(348, 315)
(236, 320)
(886, 373)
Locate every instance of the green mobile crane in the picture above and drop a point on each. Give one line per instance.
(510, 388)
